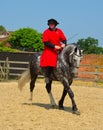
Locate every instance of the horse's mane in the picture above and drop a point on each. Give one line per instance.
(69, 47)
(68, 50)
(63, 57)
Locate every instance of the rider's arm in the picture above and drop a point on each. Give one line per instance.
(64, 42)
(49, 44)
(52, 45)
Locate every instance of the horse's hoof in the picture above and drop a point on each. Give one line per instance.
(61, 108)
(30, 101)
(76, 112)
(53, 106)
(20, 88)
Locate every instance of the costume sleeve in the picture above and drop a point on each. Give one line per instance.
(49, 44)
(45, 37)
(45, 40)
(62, 37)
(64, 42)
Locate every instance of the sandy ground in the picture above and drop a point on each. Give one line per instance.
(17, 114)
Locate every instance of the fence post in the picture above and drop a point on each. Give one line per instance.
(2, 74)
(7, 68)
(96, 75)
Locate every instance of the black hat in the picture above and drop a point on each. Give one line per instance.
(52, 21)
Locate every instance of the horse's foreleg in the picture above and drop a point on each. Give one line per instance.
(74, 106)
(71, 95)
(48, 88)
(62, 99)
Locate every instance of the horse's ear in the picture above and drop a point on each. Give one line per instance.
(74, 50)
(82, 51)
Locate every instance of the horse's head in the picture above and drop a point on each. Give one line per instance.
(73, 56)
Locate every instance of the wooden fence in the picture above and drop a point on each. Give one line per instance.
(13, 69)
(8, 69)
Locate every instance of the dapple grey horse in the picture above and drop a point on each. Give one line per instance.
(67, 68)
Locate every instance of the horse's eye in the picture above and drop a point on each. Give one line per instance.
(74, 59)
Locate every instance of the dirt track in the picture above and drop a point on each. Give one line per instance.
(17, 114)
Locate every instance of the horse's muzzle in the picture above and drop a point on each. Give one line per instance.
(75, 73)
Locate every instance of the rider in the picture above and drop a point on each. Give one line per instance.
(54, 41)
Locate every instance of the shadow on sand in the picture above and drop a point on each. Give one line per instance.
(48, 106)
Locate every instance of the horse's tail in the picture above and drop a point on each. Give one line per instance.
(25, 77)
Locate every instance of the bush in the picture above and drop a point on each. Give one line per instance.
(6, 49)
(26, 39)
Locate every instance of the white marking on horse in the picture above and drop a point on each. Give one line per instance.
(52, 99)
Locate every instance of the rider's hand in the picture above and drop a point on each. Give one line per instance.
(57, 47)
(63, 45)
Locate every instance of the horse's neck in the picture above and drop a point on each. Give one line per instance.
(64, 66)
(62, 59)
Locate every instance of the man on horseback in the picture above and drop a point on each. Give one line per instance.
(54, 41)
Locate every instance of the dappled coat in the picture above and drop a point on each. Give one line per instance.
(49, 55)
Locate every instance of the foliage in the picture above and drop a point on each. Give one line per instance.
(6, 49)
(90, 46)
(2, 29)
(3, 43)
(26, 39)
(99, 50)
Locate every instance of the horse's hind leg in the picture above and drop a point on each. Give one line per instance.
(32, 85)
(48, 88)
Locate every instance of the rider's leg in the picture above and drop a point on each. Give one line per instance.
(48, 71)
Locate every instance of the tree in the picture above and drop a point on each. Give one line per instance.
(89, 45)
(99, 50)
(26, 39)
(2, 29)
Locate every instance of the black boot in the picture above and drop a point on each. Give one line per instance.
(48, 71)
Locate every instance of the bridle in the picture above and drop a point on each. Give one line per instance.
(71, 59)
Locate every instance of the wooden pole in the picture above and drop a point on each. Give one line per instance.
(7, 68)
(96, 75)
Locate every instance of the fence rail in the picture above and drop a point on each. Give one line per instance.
(6, 70)
(15, 69)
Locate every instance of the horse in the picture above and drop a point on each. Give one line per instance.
(66, 70)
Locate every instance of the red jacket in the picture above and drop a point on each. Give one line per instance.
(49, 55)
